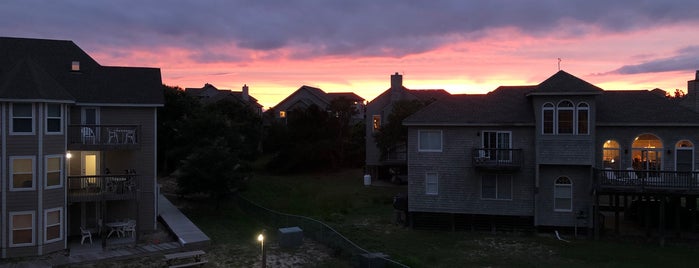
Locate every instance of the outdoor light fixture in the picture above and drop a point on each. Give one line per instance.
(261, 238)
(69, 155)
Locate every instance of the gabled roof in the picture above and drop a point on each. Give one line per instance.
(50, 63)
(347, 95)
(504, 105)
(563, 83)
(210, 94)
(641, 107)
(27, 81)
(319, 97)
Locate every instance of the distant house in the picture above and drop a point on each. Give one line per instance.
(377, 111)
(66, 122)
(558, 154)
(210, 94)
(306, 96)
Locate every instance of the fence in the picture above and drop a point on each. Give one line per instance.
(315, 230)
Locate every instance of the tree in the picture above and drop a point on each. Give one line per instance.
(172, 118)
(393, 133)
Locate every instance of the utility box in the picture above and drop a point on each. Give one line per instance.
(290, 237)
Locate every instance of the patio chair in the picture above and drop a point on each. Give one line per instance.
(85, 234)
(130, 136)
(88, 135)
(632, 174)
(113, 135)
(610, 174)
(130, 228)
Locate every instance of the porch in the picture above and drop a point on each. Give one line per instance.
(103, 137)
(102, 187)
(496, 159)
(646, 181)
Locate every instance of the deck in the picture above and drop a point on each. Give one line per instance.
(187, 233)
(646, 181)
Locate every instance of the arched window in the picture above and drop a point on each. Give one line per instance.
(563, 195)
(684, 156)
(565, 113)
(610, 154)
(547, 114)
(583, 114)
(647, 152)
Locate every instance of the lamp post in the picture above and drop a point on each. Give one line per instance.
(261, 238)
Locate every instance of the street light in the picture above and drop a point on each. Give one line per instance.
(261, 238)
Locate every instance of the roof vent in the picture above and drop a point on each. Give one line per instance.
(75, 66)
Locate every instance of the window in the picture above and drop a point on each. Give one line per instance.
(431, 183)
(497, 145)
(54, 172)
(496, 186)
(22, 228)
(684, 159)
(22, 118)
(647, 152)
(53, 225)
(565, 117)
(282, 114)
(430, 140)
(610, 155)
(376, 122)
(54, 118)
(547, 113)
(22, 172)
(75, 66)
(563, 195)
(583, 113)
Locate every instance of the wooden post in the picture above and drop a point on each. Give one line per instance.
(678, 226)
(646, 214)
(692, 206)
(616, 214)
(661, 221)
(595, 217)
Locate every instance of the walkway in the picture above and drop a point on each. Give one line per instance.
(186, 232)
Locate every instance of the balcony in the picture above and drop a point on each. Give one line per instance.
(395, 155)
(105, 187)
(646, 181)
(103, 137)
(497, 159)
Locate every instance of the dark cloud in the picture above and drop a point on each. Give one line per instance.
(312, 28)
(686, 59)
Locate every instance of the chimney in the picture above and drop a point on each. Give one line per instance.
(692, 98)
(396, 81)
(246, 93)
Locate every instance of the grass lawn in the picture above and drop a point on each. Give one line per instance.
(365, 215)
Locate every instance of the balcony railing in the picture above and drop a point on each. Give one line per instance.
(100, 137)
(104, 187)
(395, 154)
(497, 159)
(647, 180)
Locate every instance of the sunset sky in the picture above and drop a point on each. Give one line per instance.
(275, 47)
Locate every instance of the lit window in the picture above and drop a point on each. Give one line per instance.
(430, 140)
(547, 114)
(496, 186)
(53, 229)
(54, 118)
(282, 114)
(75, 66)
(583, 118)
(563, 195)
(22, 172)
(431, 183)
(22, 228)
(565, 117)
(53, 171)
(376, 122)
(610, 155)
(647, 152)
(22, 118)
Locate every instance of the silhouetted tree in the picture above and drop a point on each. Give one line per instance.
(393, 133)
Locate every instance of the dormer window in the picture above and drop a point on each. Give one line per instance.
(75, 66)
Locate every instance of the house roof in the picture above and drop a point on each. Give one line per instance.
(563, 83)
(49, 65)
(210, 94)
(506, 104)
(347, 95)
(319, 97)
(641, 107)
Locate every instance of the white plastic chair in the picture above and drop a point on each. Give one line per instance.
(609, 173)
(88, 136)
(113, 135)
(85, 234)
(632, 174)
(130, 228)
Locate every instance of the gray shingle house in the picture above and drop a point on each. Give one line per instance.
(559, 154)
(306, 96)
(65, 122)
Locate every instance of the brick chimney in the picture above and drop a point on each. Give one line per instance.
(692, 98)
(246, 93)
(396, 86)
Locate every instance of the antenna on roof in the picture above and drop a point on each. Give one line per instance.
(559, 64)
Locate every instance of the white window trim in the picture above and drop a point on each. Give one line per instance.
(47, 117)
(46, 171)
(436, 183)
(12, 121)
(683, 149)
(552, 108)
(60, 224)
(496, 188)
(11, 169)
(577, 117)
(441, 141)
(571, 195)
(11, 222)
(557, 118)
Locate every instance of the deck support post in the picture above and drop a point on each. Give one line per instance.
(616, 214)
(595, 217)
(646, 213)
(677, 203)
(661, 221)
(692, 207)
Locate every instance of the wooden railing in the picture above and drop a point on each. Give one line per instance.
(85, 137)
(647, 180)
(497, 159)
(107, 187)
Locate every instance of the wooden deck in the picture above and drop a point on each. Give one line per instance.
(188, 234)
